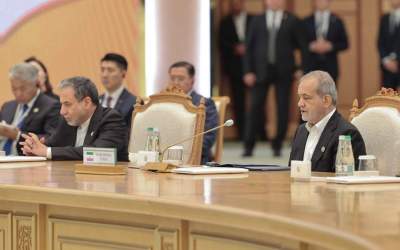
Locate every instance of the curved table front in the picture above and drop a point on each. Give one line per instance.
(47, 206)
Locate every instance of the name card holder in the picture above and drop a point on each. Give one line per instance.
(101, 161)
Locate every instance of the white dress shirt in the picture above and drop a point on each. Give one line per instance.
(314, 135)
(240, 25)
(18, 117)
(80, 137)
(322, 23)
(114, 95)
(275, 21)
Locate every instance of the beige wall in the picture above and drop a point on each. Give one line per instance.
(72, 36)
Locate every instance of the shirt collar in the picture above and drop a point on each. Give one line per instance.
(85, 125)
(322, 123)
(115, 95)
(32, 101)
(242, 14)
(277, 12)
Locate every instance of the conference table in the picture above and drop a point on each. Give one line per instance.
(45, 205)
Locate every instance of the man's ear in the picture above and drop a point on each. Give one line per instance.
(327, 99)
(87, 101)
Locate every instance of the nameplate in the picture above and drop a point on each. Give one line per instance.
(300, 169)
(107, 156)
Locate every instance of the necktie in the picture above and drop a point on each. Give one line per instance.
(272, 32)
(320, 25)
(108, 103)
(8, 144)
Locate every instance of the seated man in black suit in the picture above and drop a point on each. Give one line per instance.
(113, 71)
(317, 139)
(31, 111)
(85, 124)
(182, 74)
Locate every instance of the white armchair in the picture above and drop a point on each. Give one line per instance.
(379, 124)
(173, 113)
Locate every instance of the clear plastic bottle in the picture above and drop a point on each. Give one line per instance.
(156, 140)
(344, 165)
(149, 140)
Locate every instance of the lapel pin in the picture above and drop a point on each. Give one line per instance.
(35, 110)
(323, 149)
(91, 134)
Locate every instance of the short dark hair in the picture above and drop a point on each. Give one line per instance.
(183, 64)
(49, 88)
(83, 87)
(121, 62)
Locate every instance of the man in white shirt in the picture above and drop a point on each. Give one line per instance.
(85, 124)
(326, 37)
(271, 43)
(31, 111)
(113, 71)
(317, 139)
(233, 31)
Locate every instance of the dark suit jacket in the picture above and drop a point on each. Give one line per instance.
(211, 122)
(228, 39)
(125, 105)
(42, 118)
(388, 42)
(324, 157)
(106, 129)
(336, 35)
(290, 37)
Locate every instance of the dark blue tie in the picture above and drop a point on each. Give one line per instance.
(7, 146)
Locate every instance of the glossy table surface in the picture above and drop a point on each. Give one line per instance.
(369, 212)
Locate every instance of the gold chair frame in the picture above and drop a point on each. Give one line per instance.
(219, 144)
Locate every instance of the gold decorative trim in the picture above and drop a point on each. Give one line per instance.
(383, 98)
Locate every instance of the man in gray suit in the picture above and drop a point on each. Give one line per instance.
(31, 111)
(85, 124)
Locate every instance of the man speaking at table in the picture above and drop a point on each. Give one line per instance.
(85, 124)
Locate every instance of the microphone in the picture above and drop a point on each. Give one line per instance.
(165, 167)
(227, 123)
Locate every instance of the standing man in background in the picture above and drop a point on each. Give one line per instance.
(326, 37)
(389, 46)
(273, 38)
(113, 72)
(232, 35)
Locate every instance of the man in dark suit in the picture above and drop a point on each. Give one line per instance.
(182, 74)
(85, 124)
(31, 111)
(232, 35)
(389, 46)
(326, 37)
(317, 139)
(270, 46)
(113, 71)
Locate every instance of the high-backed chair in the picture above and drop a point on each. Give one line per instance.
(221, 102)
(379, 124)
(173, 113)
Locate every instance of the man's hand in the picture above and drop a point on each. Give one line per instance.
(33, 145)
(321, 46)
(391, 65)
(240, 49)
(9, 131)
(249, 79)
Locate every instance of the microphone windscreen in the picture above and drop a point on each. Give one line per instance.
(228, 123)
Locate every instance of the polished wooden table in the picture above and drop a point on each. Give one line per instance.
(47, 206)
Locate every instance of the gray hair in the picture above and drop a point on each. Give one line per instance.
(326, 85)
(25, 72)
(83, 87)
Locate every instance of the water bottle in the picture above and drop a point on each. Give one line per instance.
(149, 140)
(344, 165)
(156, 140)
